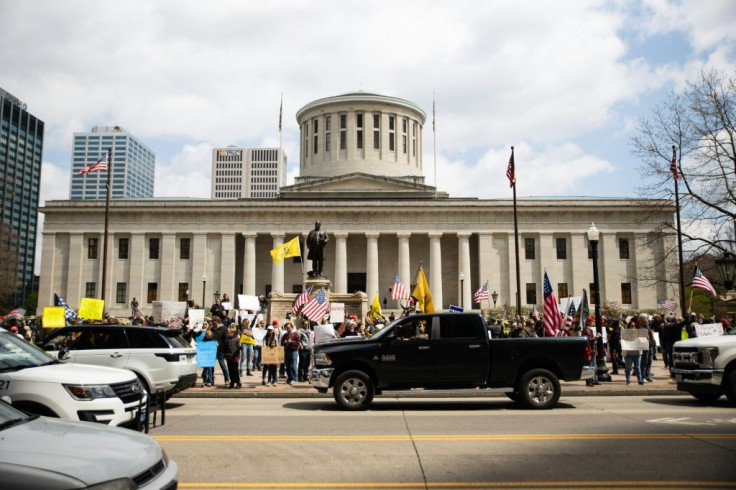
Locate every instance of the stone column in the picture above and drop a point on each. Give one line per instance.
(486, 267)
(277, 270)
(341, 260)
(199, 267)
(581, 267)
(48, 277)
(137, 255)
(463, 258)
(77, 250)
(249, 264)
(227, 266)
(547, 258)
(168, 258)
(435, 270)
(404, 259)
(371, 263)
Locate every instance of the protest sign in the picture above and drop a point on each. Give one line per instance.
(53, 317)
(196, 317)
(164, 311)
(337, 312)
(91, 308)
(709, 329)
(272, 355)
(248, 302)
(634, 339)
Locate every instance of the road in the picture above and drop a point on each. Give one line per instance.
(586, 442)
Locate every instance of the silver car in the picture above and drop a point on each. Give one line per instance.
(45, 453)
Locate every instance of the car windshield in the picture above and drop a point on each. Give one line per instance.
(16, 353)
(10, 416)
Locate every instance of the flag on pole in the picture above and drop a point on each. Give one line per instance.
(281, 111)
(398, 291)
(535, 314)
(569, 319)
(673, 165)
(433, 114)
(138, 313)
(668, 305)
(69, 313)
(421, 293)
(316, 308)
(511, 170)
(552, 317)
(375, 312)
(481, 293)
(702, 282)
(99, 166)
(583, 311)
(301, 300)
(288, 249)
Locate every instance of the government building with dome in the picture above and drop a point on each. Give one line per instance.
(361, 174)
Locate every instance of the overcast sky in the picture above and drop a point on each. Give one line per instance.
(564, 82)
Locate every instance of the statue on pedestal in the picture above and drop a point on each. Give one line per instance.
(316, 241)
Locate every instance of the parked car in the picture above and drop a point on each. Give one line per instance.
(159, 356)
(38, 383)
(47, 454)
(448, 351)
(705, 367)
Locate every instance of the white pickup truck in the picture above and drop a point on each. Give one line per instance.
(38, 383)
(705, 367)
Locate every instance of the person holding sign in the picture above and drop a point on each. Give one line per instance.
(270, 368)
(629, 341)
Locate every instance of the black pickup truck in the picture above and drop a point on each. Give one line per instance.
(448, 351)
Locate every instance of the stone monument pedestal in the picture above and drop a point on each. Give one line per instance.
(281, 304)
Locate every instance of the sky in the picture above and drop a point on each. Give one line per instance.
(564, 82)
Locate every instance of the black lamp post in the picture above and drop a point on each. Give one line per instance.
(494, 295)
(602, 369)
(727, 267)
(462, 279)
(204, 286)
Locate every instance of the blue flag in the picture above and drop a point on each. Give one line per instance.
(69, 314)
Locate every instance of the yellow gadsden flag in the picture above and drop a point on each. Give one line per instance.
(288, 249)
(375, 312)
(421, 293)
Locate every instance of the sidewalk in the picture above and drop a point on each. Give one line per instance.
(252, 388)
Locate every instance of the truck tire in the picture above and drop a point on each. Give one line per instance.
(353, 390)
(539, 389)
(706, 397)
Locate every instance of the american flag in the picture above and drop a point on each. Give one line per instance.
(510, 171)
(552, 317)
(398, 291)
(69, 313)
(667, 305)
(481, 293)
(315, 310)
(673, 165)
(702, 282)
(138, 313)
(301, 300)
(568, 320)
(176, 322)
(99, 166)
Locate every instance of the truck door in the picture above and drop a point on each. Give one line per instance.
(460, 350)
(407, 355)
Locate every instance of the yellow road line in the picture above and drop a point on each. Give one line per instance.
(435, 438)
(460, 485)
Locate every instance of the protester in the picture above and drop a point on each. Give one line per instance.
(206, 354)
(270, 369)
(247, 342)
(259, 333)
(632, 358)
(306, 342)
(291, 342)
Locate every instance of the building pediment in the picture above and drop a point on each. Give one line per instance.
(360, 185)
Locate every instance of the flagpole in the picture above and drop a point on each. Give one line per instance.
(679, 240)
(107, 222)
(516, 241)
(434, 145)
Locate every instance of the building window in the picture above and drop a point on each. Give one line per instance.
(90, 290)
(391, 141)
(328, 142)
(625, 293)
(529, 248)
(152, 293)
(306, 140)
(391, 133)
(562, 290)
(92, 248)
(623, 248)
(561, 245)
(183, 291)
(184, 248)
(359, 132)
(376, 131)
(123, 248)
(328, 120)
(121, 293)
(531, 293)
(153, 248)
(343, 131)
(403, 143)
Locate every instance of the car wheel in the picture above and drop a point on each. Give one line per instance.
(353, 390)
(539, 389)
(513, 396)
(707, 397)
(729, 386)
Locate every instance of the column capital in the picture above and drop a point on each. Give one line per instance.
(372, 234)
(250, 234)
(435, 234)
(340, 234)
(403, 234)
(464, 234)
(278, 235)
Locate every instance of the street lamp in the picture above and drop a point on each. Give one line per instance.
(204, 286)
(593, 237)
(462, 279)
(494, 295)
(727, 267)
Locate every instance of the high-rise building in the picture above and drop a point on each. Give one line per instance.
(21, 148)
(247, 172)
(133, 165)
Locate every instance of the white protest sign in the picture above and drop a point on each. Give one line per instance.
(248, 302)
(196, 317)
(164, 311)
(634, 339)
(709, 329)
(337, 312)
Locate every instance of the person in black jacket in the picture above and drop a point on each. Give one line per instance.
(231, 352)
(220, 335)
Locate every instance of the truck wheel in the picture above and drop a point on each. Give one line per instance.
(539, 389)
(706, 397)
(353, 390)
(729, 386)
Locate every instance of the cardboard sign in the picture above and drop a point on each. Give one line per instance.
(54, 317)
(709, 329)
(272, 355)
(249, 302)
(337, 312)
(164, 311)
(91, 308)
(634, 339)
(196, 317)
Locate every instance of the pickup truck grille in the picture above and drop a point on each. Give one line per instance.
(128, 392)
(687, 358)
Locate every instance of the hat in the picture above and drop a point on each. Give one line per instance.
(14, 329)
(591, 319)
(274, 322)
(353, 317)
(269, 327)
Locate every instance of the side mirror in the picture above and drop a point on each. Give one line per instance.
(63, 354)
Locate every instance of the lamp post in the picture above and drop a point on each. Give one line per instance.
(494, 295)
(462, 280)
(204, 287)
(602, 369)
(725, 304)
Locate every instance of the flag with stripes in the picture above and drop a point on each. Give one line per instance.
(301, 300)
(504, 309)
(569, 319)
(316, 308)
(138, 313)
(99, 166)
(176, 322)
(673, 165)
(552, 316)
(702, 282)
(511, 169)
(481, 293)
(398, 291)
(69, 313)
(667, 305)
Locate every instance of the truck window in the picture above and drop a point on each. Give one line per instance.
(413, 329)
(107, 339)
(457, 328)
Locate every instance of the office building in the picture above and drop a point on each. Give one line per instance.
(247, 172)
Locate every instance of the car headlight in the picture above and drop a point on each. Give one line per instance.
(322, 359)
(90, 392)
(119, 484)
(708, 356)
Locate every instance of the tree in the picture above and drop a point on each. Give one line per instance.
(699, 121)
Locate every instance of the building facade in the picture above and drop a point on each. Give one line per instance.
(247, 172)
(21, 150)
(133, 165)
(382, 221)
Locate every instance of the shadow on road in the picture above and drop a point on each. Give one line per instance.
(687, 402)
(388, 405)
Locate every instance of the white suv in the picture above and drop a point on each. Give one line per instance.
(159, 356)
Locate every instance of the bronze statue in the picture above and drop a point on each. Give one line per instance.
(316, 241)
